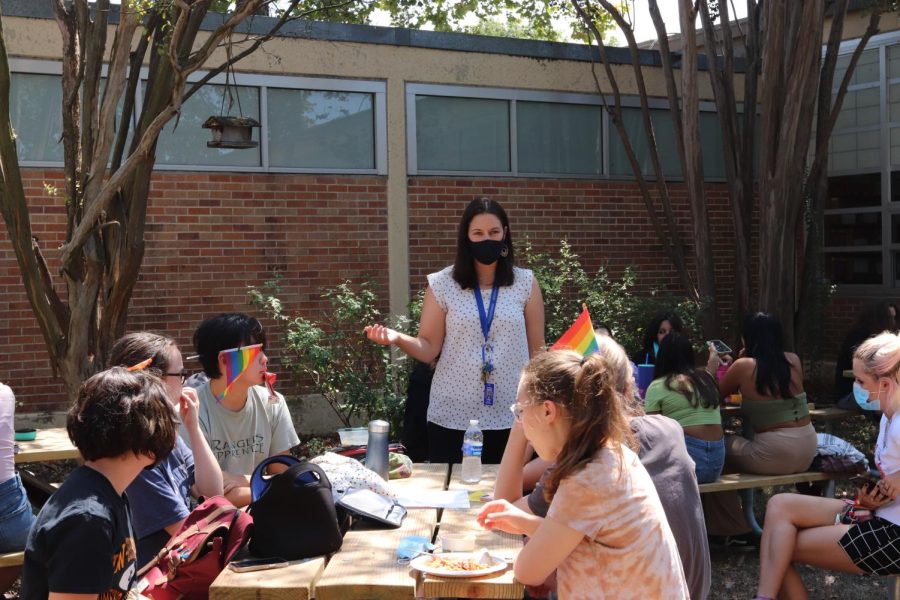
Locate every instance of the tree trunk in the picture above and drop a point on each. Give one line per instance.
(790, 77)
(692, 168)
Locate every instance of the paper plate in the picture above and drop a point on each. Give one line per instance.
(421, 563)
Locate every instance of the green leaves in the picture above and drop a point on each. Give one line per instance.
(355, 376)
(617, 303)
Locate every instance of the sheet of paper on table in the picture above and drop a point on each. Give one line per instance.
(434, 499)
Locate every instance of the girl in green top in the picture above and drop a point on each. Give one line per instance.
(691, 397)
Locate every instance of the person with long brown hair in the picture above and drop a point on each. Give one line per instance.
(606, 527)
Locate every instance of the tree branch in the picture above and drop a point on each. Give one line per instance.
(14, 208)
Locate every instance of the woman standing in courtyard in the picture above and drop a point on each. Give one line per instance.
(485, 317)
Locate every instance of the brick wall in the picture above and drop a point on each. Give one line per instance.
(208, 236)
(605, 221)
(211, 234)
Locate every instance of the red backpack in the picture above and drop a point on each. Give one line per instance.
(192, 559)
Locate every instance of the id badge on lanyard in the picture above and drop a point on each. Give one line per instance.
(487, 349)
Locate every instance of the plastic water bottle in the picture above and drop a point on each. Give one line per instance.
(473, 442)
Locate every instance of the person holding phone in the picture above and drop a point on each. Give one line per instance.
(690, 396)
(833, 533)
(485, 317)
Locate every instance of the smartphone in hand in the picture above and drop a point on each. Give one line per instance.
(257, 564)
(719, 346)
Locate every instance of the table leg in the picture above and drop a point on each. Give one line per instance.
(747, 503)
(893, 588)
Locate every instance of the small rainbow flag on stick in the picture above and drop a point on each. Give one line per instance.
(236, 362)
(580, 336)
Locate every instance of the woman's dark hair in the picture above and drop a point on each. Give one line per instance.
(653, 327)
(676, 363)
(875, 318)
(464, 265)
(224, 332)
(134, 348)
(586, 387)
(764, 341)
(117, 412)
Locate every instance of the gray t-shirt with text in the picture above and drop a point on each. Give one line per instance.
(242, 439)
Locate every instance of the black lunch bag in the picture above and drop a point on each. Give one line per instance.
(293, 512)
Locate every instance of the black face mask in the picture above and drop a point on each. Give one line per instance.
(488, 252)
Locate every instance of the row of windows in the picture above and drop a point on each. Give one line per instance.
(482, 133)
(304, 129)
(862, 209)
(452, 130)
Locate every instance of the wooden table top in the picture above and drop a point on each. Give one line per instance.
(50, 444)
(503, 545)
(366, 567)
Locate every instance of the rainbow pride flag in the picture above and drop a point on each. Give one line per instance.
(580, 336)
(236, 362)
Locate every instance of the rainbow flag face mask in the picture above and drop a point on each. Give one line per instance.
(580, 337)
(238, 360)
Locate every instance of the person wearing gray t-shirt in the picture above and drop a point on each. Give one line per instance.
(248, 423)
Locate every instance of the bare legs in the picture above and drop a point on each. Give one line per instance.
(799, 529)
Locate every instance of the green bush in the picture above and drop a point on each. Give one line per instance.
(565, 285)
(357, 378)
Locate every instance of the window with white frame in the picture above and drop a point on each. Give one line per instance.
(308, 125)
(491, 131)
(862, 209)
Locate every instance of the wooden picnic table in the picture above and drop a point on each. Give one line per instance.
(502, 545)
(50, 444)
(366, 566)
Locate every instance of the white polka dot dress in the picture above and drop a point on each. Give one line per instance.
(457, 391)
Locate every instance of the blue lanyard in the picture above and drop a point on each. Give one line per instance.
(486, 319)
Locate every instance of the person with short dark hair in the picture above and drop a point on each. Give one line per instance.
(82, 542)
(485, 317)
(246, 424)
(161, 497)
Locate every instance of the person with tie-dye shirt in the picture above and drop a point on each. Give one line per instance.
(606, 528)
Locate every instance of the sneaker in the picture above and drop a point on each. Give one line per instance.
(747, 541)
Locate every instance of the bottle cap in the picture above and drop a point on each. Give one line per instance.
(473, 421)
(379, 426)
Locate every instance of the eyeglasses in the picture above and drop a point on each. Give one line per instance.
(517, 410)
(183, 374)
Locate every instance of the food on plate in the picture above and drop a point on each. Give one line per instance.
(456, 564)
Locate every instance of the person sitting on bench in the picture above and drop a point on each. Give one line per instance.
(834, 533)
(82, 543)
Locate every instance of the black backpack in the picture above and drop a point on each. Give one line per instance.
(293, 512)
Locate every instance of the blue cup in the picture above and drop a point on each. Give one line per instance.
(644, 378)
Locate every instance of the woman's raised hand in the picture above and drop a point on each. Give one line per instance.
(381, 334)
(712, 363)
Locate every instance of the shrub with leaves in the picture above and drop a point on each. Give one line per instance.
(357, 378)
(565, 285)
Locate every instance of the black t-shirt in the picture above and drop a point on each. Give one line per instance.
(81, 542)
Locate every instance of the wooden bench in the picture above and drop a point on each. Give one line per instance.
(12, 559)
(746, 483)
